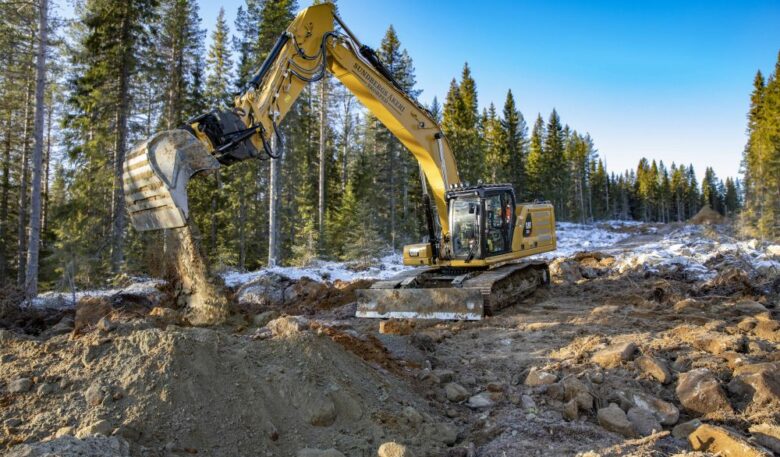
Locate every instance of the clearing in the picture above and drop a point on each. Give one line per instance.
(646, 332)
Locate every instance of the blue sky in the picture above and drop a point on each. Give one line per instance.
(668, 80)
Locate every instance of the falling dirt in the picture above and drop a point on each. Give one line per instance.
(202, 295)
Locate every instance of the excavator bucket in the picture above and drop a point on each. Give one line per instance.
(155, 178)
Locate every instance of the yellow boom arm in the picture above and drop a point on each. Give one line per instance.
(310, 47)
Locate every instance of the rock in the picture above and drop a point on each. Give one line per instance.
(46, 388)
(717, 440)
(605, 310)
(688, 304)
(397, 326)
(412, 415)
(767, 435)
(654, 368)
(749, 307)
(105, 325)
(446, 433)
(574, 389)
(614, 355)
(566, 270)
(64, 431)
(682, 430)
(444, 375)
(89, 310)
(571, 410)
(481, 400)
(95, 394)
(10, 424)
(288, 326)
(773, 250)
(747, 324)
(718, 343)
(6, 336)
(101, 427)
(555, 391)
(768, 330)
(165, 316)
(528, 403)
(700, 392)
(665, 412)
(392, 449)
(538, 377)
(614, 419)
(20, 385)
(65, 325)
(734, 359)
(496, 387)
(644, 421)
(308, 452)
(262, 319)
(455, 392)
(760, 383)
(265, 292)
(321, 412)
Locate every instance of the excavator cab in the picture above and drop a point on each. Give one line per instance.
(482, 220)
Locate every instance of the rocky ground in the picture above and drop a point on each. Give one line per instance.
(662, 340)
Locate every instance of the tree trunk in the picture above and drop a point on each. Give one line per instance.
(6, 187)
(31, 286)
(213, 231)
(22, 227)
(47, 166)
(273, 205)
(323, 139)
(118, 210)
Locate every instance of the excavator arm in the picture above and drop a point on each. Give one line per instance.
(157, 171)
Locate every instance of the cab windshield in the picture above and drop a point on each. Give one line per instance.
(465, 223)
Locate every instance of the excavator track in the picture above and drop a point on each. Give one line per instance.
(429, 293)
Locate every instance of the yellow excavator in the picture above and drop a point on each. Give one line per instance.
(470, 264)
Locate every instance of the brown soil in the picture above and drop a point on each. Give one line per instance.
(707, 216)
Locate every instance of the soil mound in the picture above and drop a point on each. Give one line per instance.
(707, 216)
(186, 390)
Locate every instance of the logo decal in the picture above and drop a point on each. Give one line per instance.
(529, 226)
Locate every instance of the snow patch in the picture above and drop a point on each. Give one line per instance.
(322, 270)
(67, 300)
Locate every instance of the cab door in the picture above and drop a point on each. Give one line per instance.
(499, 222)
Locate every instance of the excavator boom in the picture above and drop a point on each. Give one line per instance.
(470, 228)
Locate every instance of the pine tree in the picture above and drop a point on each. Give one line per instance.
(535, 170)
(514, 146)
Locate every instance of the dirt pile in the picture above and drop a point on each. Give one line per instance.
(706, 216)
(185, 390)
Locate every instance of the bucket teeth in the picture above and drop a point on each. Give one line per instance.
(155, 179)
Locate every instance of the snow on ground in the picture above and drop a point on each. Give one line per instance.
(689, 249)
(65, 300)
(573, 238)
(322, 270)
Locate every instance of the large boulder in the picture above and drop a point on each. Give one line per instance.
(263, 293)
(717, 440)
(538, 377)
(615, 354)
(615, 420)
(654, 368)
(758, 383)
(700, 392)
